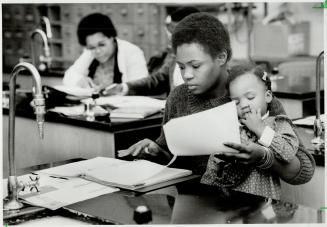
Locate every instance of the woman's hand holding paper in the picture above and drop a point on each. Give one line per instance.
(249, 154)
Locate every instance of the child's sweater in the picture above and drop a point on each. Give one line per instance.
(249, 179)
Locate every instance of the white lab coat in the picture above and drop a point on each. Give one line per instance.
(130, 58)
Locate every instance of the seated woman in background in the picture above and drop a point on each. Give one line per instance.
(202, 47)
(167, 76)
(105, 58)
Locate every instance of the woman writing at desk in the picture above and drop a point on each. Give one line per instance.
(105, 59)
(202, 47)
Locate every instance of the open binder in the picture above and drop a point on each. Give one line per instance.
(131, 175)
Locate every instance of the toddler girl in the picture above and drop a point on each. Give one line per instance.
(249, 86)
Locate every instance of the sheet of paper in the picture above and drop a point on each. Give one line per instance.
(55, 192)
(115, 172)
(78, 110)
(131, 101)
(134, 112)
(76, 168)
(203, 133)
(69, 110)
(75, 91)
(308, 120)
(137, 172)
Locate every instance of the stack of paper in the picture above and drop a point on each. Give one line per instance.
(134, 112)
(78, 110)
(131, 107)
(118, 173)
(75, 91)
(131, 102)
(309, 121)
(55, 193)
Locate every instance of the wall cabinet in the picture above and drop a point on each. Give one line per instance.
(139, 23)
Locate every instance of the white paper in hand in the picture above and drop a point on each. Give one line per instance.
(203, 133)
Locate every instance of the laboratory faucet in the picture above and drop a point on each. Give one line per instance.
(318, 126)
(46, 59)
(38, 103)
(48, 30)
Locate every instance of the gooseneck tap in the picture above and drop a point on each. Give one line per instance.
(48, 30)
(39, 109)
(318, 126)
(46, 59)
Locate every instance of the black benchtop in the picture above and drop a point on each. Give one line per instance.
(23, 109)
(297, 88)
(103, 123)
(52, 72)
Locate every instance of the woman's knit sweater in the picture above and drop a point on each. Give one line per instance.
(182, 102)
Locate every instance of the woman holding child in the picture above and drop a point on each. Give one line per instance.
(202, 47)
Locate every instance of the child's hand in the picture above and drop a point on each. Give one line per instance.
(253, 121)
(249, 154)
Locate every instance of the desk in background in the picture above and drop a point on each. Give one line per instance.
(297, 95)
(66, 137)
(296, 83)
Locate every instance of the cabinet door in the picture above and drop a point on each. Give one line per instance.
(68, 14)
(154, 34)
(125, 32)
(141, 34)
(123, 14)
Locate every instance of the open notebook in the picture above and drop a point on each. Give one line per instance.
(130, 175)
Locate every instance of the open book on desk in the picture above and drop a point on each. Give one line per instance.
(131, 175)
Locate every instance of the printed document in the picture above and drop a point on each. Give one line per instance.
(309, 121)
(55, 192)
(205, 132)
(119, 101)
(75, 91)
(130, 175)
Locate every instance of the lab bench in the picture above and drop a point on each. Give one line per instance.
(70, 137)
(186, 202)
(298, 95)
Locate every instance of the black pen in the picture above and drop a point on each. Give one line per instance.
(64, 178)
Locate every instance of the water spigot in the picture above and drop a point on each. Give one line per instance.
(318, 126)
(12, 202)
(48, 30)
(46, 58)
(39, 110)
